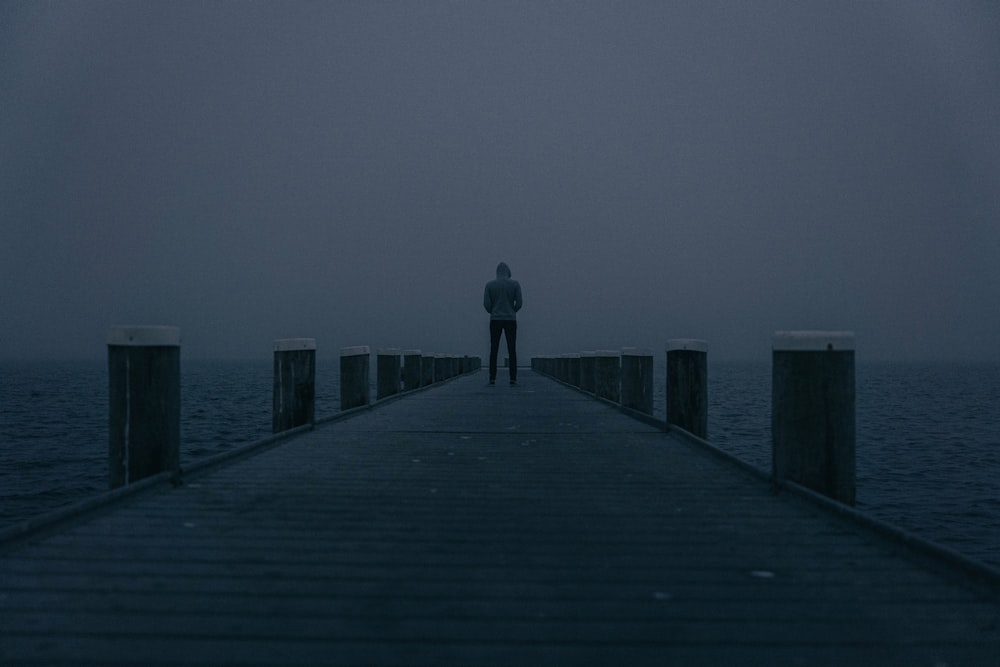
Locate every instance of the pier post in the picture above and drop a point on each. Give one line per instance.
(426, 370)
(573, 368)
(588, 360)
(440, 367)
(294, 394)
(637, 380)
(387, 372)
(607, 375)
(412, 369)
(144, 406)
(355, 389)
(812, 411)
(687, 385)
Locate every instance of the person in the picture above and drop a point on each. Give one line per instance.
(502, 300)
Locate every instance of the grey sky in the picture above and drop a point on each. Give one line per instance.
(353, 172)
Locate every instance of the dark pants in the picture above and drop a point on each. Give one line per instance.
(509, 330)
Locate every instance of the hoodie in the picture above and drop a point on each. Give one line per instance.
(502, 298)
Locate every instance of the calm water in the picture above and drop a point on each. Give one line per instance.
(928, 435)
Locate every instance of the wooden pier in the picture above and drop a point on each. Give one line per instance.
(470, 524)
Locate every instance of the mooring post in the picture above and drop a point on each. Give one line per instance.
(562, 367)
(637, 379)
(294, 395)
(573, 368)
(144, 406)
(355, 390)
(412, 369)
(687, 385)
(426, 370)
(812, 411)
(607, 375)
(387, 372)
(588, 360)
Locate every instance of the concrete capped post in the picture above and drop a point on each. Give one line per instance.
(294, 394)
(607, 375)
(144, 406)
(355, 390)
(387, 372)
(687, 385)
(637, 379)
(426, 370)
(812, 411)
(412, 369)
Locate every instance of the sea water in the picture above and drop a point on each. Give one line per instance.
(928, 434)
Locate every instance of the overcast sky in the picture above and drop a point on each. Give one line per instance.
(354, 171)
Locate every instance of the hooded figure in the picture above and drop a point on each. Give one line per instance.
(502, 299)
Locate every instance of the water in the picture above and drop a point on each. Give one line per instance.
(54, 423)
(928, 435)
(928, 443)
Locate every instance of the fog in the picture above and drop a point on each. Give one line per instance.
(354, 171)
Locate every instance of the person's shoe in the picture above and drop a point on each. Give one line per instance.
(492, 381)
(513, 382)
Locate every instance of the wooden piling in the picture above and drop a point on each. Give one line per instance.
(573, 369)
(412, 369)
(294, 393)
(812, 411)
(637, 379)
(355, 390)
(387, 372)
(144, 406)
(427, 370)
(687, 385)
(607, 375)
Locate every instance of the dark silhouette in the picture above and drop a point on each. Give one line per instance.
(502, 299)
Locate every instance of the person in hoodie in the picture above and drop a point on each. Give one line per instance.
(502, 300)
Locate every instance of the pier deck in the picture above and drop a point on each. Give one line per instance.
(479, 525)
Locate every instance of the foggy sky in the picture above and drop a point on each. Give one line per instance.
(354, 171)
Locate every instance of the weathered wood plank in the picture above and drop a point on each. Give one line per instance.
(482, 525)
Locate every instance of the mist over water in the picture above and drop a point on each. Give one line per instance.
(354, 171)
(928, 435)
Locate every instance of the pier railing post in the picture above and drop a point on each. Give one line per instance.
(637, 380)
(412, 369)
(387, 372)
(812, 411)
(607, 375)
(355, 389)
(573, 369)
(588, 360)
(144, 406)
(294, 395)
(687, 385)
(426, 370)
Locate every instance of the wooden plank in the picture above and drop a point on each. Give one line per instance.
(482, 525)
